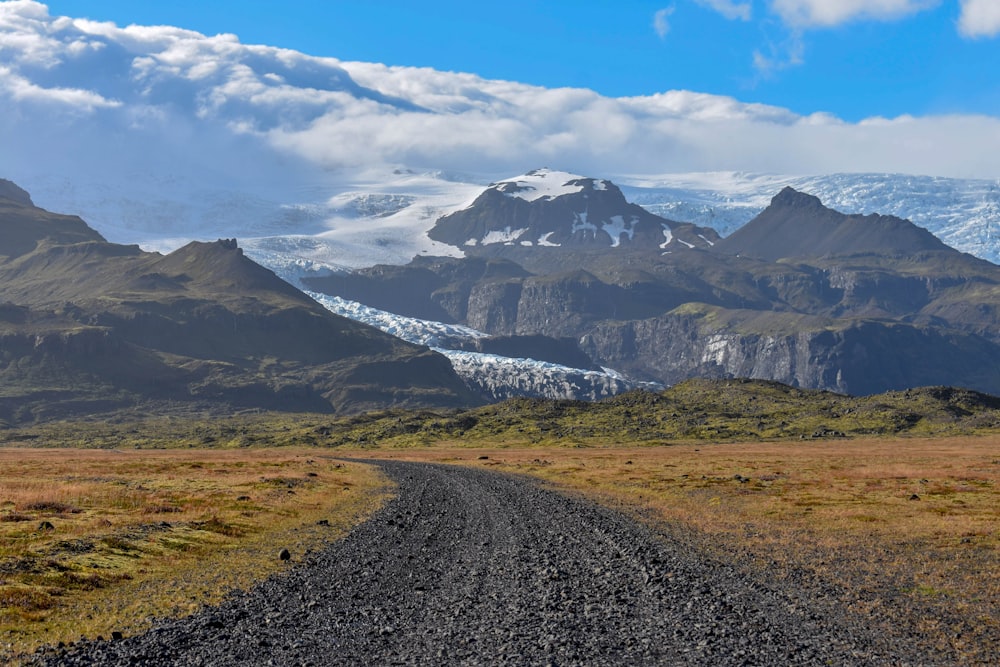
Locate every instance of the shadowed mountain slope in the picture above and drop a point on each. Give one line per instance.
(798, 225)
(89, 325)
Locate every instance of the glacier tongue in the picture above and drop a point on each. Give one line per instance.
(421, 332)
(499, 378)
(493, 376)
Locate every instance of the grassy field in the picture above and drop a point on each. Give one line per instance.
(904, 532)
(96, 541)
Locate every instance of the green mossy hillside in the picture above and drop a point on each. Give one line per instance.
(696, 410)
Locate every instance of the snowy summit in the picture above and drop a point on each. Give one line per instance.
(545, 184)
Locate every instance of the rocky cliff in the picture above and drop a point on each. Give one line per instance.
(854, 357)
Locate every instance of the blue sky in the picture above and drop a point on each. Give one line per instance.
(862, 58)
(671, 86)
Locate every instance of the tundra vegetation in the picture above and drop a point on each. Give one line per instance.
(889, 504)
(94, 542)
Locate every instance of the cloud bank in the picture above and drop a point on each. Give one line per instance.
(96, 98)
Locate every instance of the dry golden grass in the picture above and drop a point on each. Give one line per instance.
(93, 541)
(907, 531)
(839, 515)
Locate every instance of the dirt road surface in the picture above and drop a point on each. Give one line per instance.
(470, 567)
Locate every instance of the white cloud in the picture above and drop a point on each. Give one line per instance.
(979, 18)
(661, 23)
(21, 89)
(731, 9)
(829, 13)
(174, 101)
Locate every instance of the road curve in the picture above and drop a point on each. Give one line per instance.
(471, 567)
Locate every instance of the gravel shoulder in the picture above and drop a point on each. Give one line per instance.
(472, 567)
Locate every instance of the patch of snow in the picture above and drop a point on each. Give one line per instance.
(690, 245)
(506, 236)
(543, 240)
(668, 235)
(580, 224)
(539, 184)
(616, 227)
(702, 237)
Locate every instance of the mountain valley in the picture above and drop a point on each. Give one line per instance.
(556, 286)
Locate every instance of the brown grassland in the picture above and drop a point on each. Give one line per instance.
(98, 541)
(903, 531)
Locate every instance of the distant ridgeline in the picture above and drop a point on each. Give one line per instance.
(802, 294)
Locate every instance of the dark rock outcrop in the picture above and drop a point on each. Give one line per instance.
(861, 358)
(798, 225)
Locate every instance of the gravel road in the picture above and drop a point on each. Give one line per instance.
(471, 567)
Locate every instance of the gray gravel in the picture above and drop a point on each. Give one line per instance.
(472, 567)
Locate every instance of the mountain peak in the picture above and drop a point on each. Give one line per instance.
(9, 190)
(799, 225)
(789, 197)
(23, 226)
(550, 209)
(547, 183)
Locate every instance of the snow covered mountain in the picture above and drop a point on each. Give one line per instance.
(158, 135)
(161, 135)
(383, 216)
(548, 208)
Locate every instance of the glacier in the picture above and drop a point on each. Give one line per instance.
(492, 376)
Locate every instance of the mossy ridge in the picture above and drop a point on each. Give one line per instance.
(694, 410)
